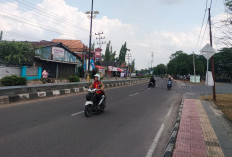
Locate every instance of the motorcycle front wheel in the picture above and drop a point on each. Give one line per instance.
(88, 111)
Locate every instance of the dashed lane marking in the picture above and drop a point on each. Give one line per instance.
(134, 94)
(156, 139)
(74, 114)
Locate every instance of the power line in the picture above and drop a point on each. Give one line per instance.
(48, 15)
(211, 4)
(204, 34)
(201, 25)
(46, 12)
(21, 36)
(34, 25)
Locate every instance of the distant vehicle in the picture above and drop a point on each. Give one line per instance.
(169, 84)
(151, 84)
(133, 74)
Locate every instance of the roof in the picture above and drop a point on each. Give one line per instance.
(73, 45)
(45, 43)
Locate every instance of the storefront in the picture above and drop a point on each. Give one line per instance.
(115, 71)
(56, 59)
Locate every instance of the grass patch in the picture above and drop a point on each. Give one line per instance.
(224, 103)
(191, 83)
(200, 83)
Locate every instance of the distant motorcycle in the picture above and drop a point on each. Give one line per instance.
(90, 105)
(151, 84)
(169, 84)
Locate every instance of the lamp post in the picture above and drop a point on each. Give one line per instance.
(92, 15)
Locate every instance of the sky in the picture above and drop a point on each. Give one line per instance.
(159, 26)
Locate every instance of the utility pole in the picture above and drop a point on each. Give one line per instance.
(212, 58)
(128, 57)
(152, 55)
(194, 67)
(92, 15)
(99, 38)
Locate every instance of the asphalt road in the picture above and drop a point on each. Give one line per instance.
(136, 122)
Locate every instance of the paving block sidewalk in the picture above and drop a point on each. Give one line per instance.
(196, 137)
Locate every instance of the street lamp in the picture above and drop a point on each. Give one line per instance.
(91, 14)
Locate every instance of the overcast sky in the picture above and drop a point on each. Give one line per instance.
(160, 26)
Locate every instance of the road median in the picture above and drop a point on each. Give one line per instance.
(24, 93)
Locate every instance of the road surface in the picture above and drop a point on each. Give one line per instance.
(137, 122)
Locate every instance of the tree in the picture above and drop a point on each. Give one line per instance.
(133, 65)
(226, 26)
(228, 4)
(16, 53)
(109, 54)
(160, 69)
(179, 64)
(223, 64)
(122, 53)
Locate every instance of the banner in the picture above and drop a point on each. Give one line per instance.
(97, 55)
(84, 66)
(92, 64)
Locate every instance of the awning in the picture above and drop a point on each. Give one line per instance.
(99, 67)
(111, 68)
(118, 69)
(55, 61)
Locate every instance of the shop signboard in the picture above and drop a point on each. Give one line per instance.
(58, 53)
(97, 55)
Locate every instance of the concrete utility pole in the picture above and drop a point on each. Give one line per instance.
(212, 59)
(99, 38)
(128, 57)
(152, 55)
(194, 67)
(91, 16)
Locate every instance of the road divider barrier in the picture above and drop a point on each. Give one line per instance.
(24, 93)
(172, 140)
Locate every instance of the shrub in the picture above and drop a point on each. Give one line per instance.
(13, 81)
(74, 79)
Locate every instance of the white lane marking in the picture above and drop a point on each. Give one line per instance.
(169, 112)
(153, 145)
(74, 114)
(156, 139)
(134, 94)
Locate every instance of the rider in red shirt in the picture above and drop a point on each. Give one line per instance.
(97, 84)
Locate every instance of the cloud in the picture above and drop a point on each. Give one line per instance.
(74, 24)
(169, 2)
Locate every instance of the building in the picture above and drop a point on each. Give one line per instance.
(77, 47)
(54, 57)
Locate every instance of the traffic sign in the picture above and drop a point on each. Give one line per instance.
(207, 51)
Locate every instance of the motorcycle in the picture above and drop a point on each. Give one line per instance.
(151, 84)
(169, 84)
(90, 105)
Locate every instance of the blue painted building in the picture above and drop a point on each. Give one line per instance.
(56, 59)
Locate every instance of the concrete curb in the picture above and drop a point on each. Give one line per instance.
(7, 99)
(172, 140)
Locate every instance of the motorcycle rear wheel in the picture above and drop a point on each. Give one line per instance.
(88, 111)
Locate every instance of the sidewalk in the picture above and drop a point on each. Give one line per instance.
(202, 132)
